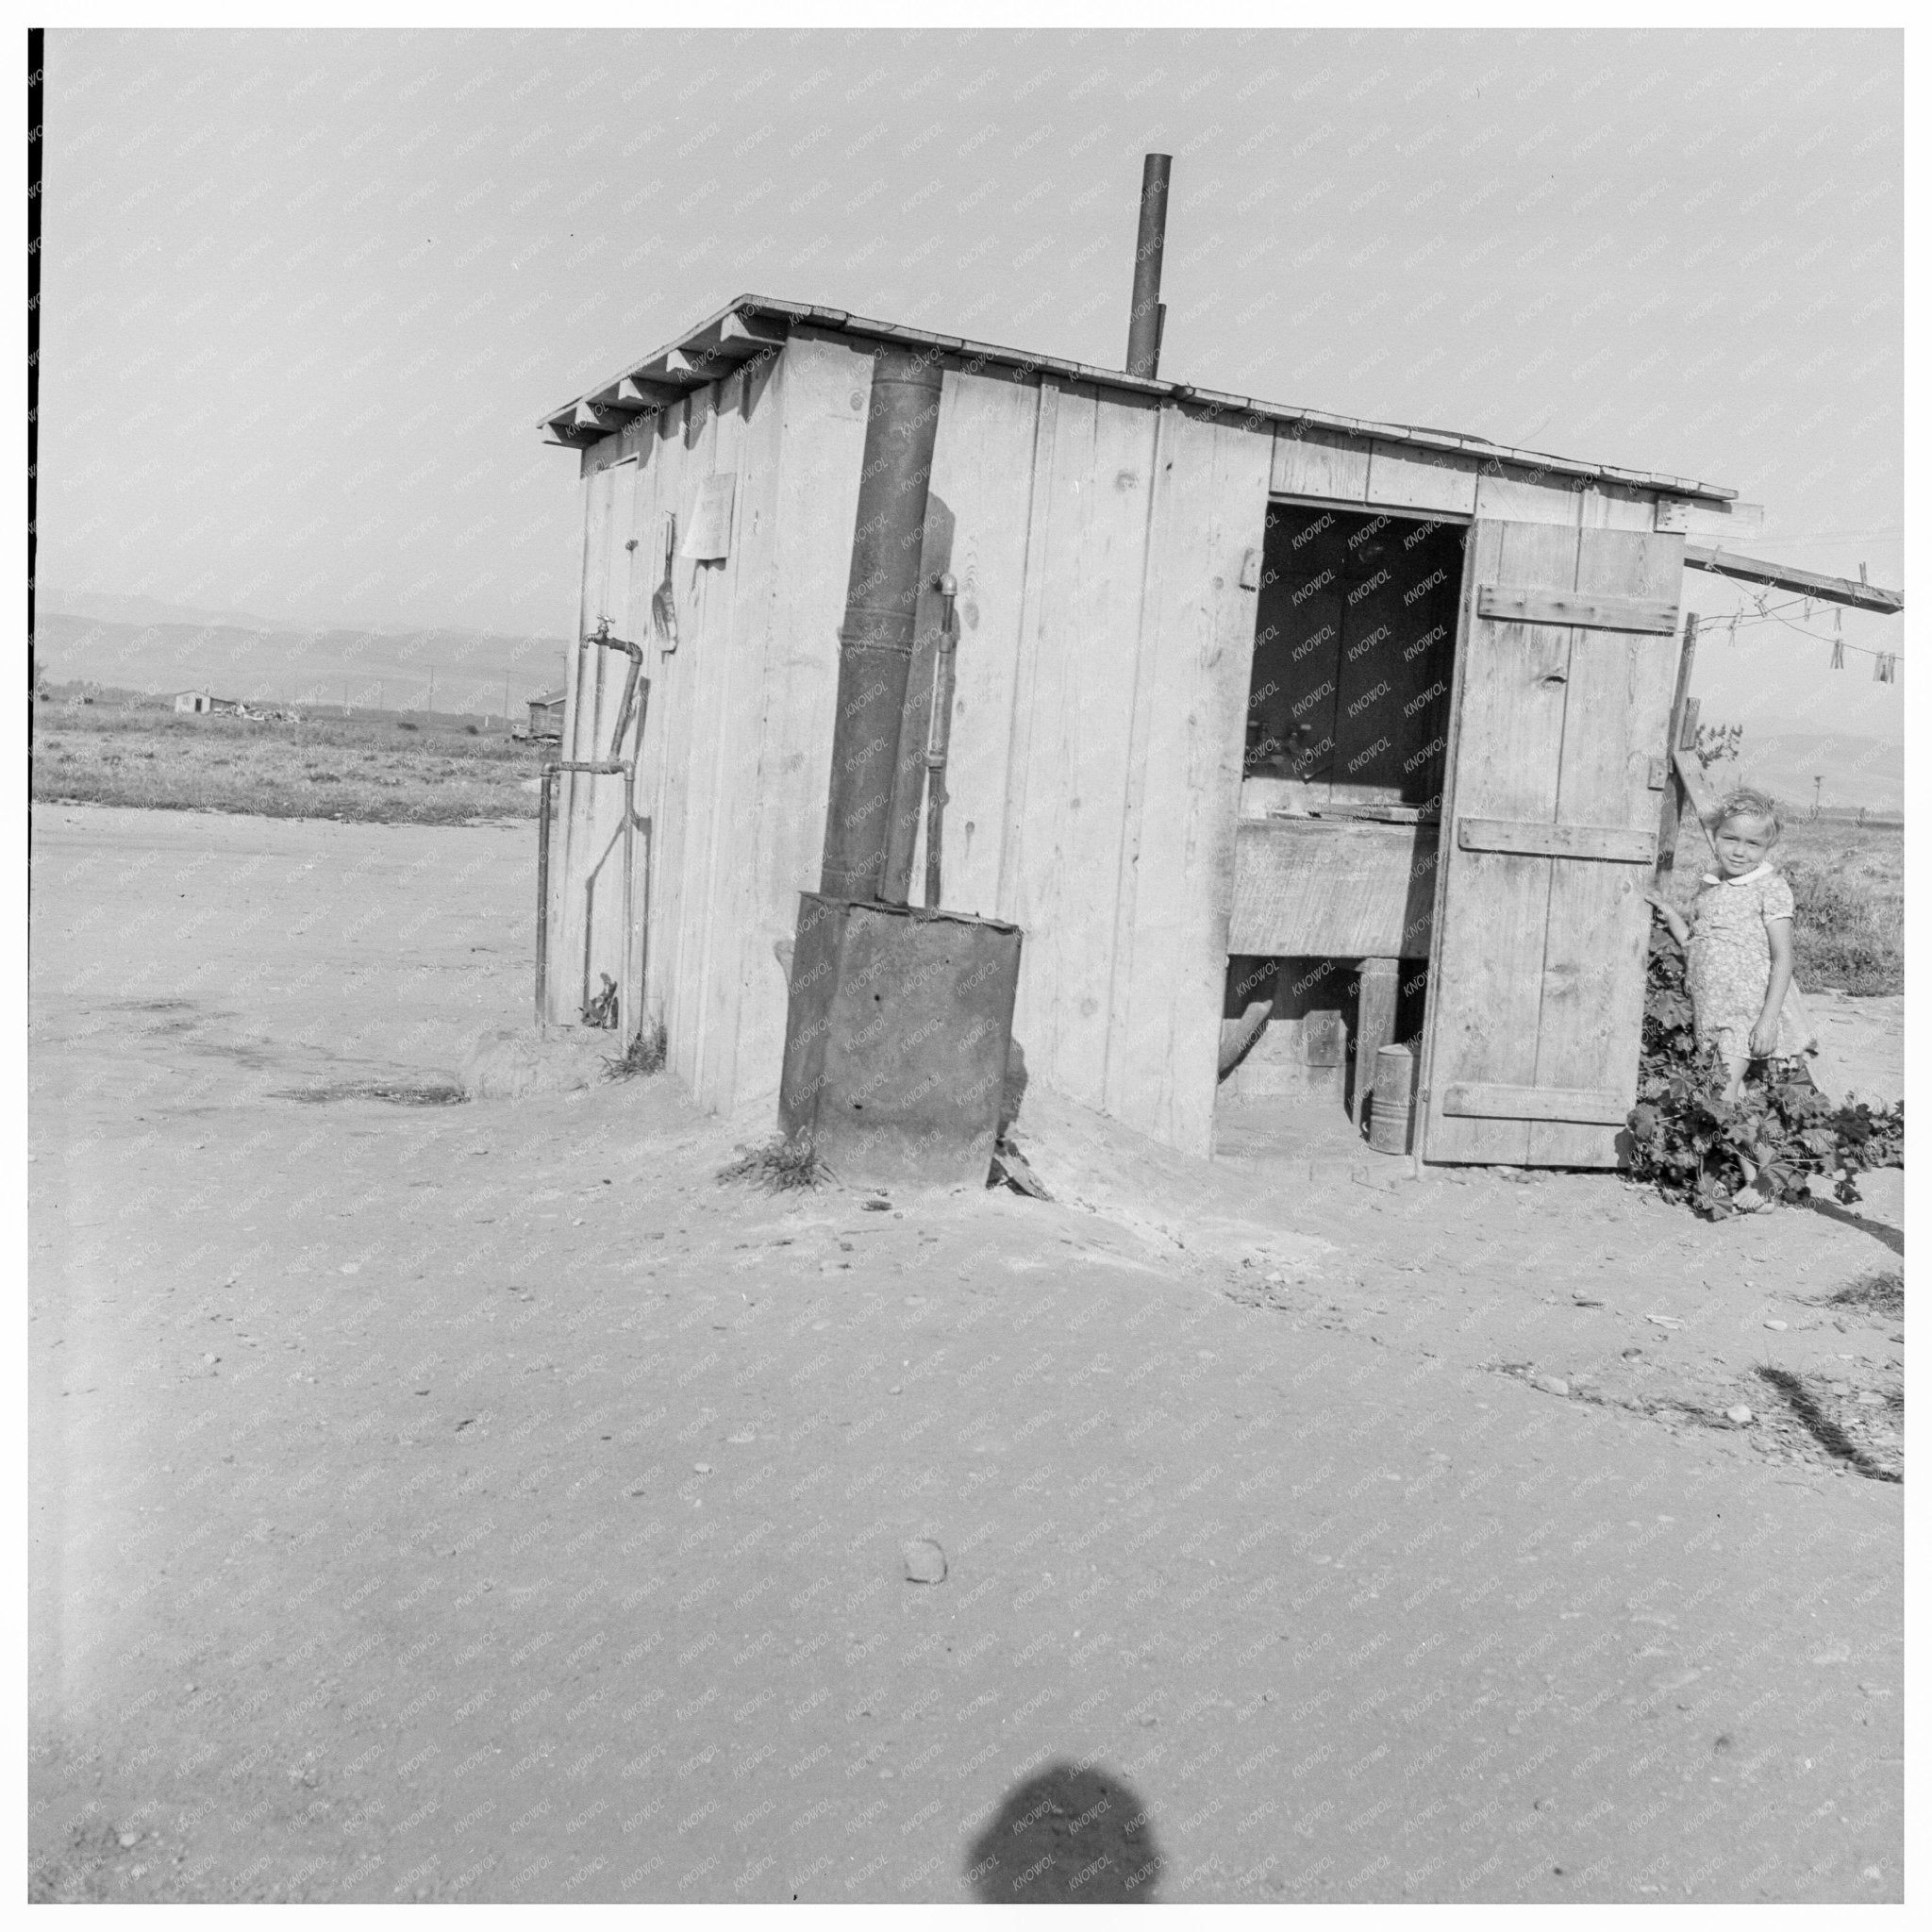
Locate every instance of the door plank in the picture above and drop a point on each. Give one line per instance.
(1490, 1100)
(1530, 603)
(1556, 841)
(1492, 908)
(1617, 714)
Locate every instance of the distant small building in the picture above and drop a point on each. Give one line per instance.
(546, 716)
(195, 701)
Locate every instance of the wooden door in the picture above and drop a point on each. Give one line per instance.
(1564, 669)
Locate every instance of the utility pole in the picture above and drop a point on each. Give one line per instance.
(1817, 797)
(432, 686)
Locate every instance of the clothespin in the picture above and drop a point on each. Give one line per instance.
(1837, 654)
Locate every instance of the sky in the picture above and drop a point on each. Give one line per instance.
(306, 295)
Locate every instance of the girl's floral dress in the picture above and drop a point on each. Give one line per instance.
(1727, 966)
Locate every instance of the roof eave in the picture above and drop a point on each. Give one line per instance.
(706, 357)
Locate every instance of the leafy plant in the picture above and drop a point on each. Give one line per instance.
(1717, 742)
(1729, 1157)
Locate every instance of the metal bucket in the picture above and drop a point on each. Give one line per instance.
(897, 1040)
(1391, 1101)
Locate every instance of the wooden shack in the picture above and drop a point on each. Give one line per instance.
(546, 715)
(1366, 721)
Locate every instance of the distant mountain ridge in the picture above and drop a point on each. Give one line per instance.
(1856, 770)
(451, 670)
(118, 607)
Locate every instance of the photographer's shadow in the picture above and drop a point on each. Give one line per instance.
(1069, 1835)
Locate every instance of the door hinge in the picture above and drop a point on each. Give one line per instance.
(1660, 768)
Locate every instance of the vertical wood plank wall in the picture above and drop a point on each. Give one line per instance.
(733, 763)
(1094, 768)
(1096, 739)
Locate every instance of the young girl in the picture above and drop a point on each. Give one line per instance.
(1737, 944)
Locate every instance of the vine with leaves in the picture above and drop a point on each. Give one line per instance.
(1723, 1158)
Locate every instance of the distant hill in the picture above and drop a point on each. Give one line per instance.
(119, 608)
(463, 670)
(1857, 770)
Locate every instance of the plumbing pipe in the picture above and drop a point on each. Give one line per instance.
(881, 603)
(940, 738)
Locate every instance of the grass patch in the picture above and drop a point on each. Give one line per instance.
(351, 769)
(778, 1166)
(1846, 935)
(644, 1055)
(1883, 1292)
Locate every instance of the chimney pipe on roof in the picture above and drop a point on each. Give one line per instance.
(1146, 319)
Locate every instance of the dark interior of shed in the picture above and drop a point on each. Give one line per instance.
(1347, 725)
(1355, 634)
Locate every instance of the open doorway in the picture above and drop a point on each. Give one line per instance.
(1346, 749)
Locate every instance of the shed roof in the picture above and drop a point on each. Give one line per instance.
(754, 326)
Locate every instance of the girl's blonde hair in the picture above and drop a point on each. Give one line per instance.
(1748, 802)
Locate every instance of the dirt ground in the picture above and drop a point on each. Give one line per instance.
(482, 1501)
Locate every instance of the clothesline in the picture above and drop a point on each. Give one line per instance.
(1884, 664)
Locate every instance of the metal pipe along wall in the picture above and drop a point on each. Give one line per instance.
(881, 606)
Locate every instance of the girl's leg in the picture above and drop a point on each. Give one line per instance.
(1735, 1065)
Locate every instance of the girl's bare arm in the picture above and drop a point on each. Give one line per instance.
(1764, 1035)
(1679, 926)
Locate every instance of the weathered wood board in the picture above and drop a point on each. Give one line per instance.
(1309, 461)
(1617, 708)
(1492, 908)
(813, 496)
(1406, 477)
(1177, 863)
(1332, 888)
(1537, 979)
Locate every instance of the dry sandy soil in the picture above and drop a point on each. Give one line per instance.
(482, 1501)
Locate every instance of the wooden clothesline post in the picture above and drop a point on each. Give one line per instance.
(1682, 736)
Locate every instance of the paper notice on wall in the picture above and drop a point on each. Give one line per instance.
(707, 537)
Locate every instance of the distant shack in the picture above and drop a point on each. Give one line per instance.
(546, 716)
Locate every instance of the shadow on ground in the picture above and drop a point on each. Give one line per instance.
(1069, 1835)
